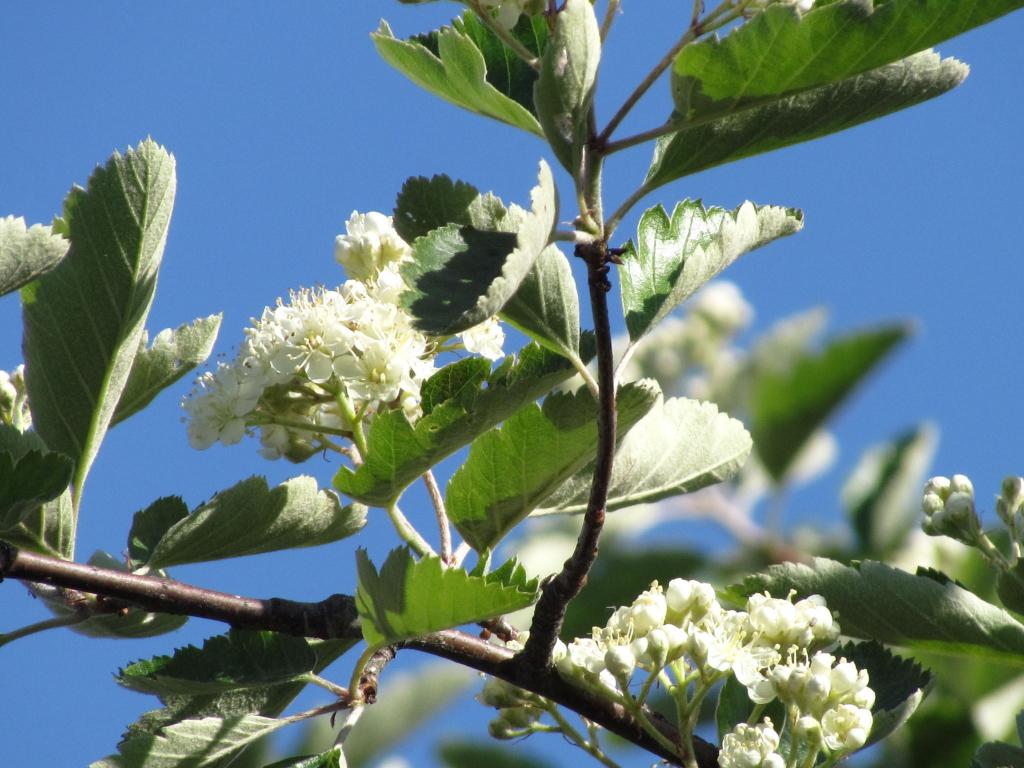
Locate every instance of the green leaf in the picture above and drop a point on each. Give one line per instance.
(405, 703)
(469, 754)
(425, 204)
(269, 701)
(84, 320)
(879, 494)
(149, 526)
(49, 529)
(546, 307)
(802, 117)
(238, 659)
(409, 598)
(332, 758)
(172, 354)
(192, 743)
(129, 625)
(735, 707)
(456, 73)
(877, 602)
(250, 518)
(568, 73)
(679, 447)
(461, 275)
(26, 252)
(505, 70)
(677, 255)
(781, 51)
(460, 402)
(899, 685)
(788, 406)
(1010, 587)
(996, 754)
(511, 469)
(28, 479)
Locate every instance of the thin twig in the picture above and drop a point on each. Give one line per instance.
(609, 18)
(41, 626)
(443, 528)
(408, 533)
(558, 591)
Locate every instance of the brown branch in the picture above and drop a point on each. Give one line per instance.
(558, 591)
(335, 617)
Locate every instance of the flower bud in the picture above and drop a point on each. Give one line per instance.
(621, 662)
(657, 647)
(961, 484)
(938, 486)
(518, 717)
(1013, 488)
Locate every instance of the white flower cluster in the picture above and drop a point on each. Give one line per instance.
(328, 358)
(14, 408)
(948, 506)
(772, 648)
(751, 746)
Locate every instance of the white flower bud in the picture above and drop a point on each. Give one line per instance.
(648, 610)
(961, 484)
(621, 662)
(657, 647)
(939, 486)
(749, 746)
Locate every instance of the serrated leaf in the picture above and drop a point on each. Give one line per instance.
(332, 758)
(405, 702)
(172, 354)
(409, 598)
(782, 51)
(236, 660)
(788, 406)
(424, 205)
(996, 754)
(734, 707)
(460, 275)
(877, 602)
(803, 116)
(463, 402)
(899, 685)
(250, 518)
(192, 743)
(511, 469)
(84, 319)
(269, 701)
(149, 526)
(26, 252)
(547, 307)
(468, 754)
(28, 481)
(564, 90)
(457, 73)
(678, 254)
(679, 447)
(879, 494)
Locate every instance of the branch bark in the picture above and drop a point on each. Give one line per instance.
(334, 617)
(556, 594)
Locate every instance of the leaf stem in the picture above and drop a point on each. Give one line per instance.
(327, 685)
(356, 420)
(56, 622)
(609, 18)
(505, 36)
(590, 746)
(443, 526)
(408, 533)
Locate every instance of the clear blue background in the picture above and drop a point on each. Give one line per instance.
(283, 121)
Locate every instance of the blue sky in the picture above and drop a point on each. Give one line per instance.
(283, 121)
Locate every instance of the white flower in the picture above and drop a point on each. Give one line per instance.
(722, 305)
(369, 244)
(784, 624)
(846, 727)
(485, 339)
(690, 601)
(751, 746)
(218, 406)
(621, 662)
(648, 610)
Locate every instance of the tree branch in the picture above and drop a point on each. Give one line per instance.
(334, 617)
(558, 591)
